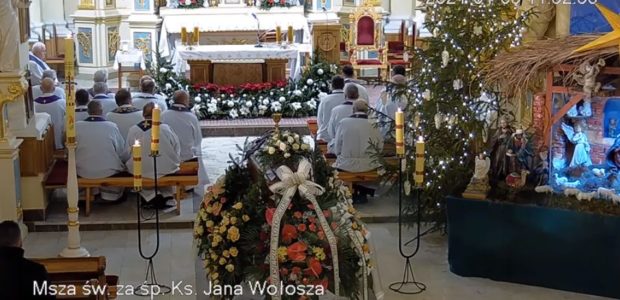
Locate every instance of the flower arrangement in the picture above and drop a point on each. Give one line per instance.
(268, 4)
(305, 228)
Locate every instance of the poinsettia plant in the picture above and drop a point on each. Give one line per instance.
(268, 4)
(187, 3)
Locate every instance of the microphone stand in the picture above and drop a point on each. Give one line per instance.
(258, 43)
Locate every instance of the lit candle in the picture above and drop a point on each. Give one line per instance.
(419, 161)
(69, 56)
(183, 35)
(196, 35)
(70, 94)
(289, 34)
(137, 166)
(278, 34)
(400, 132)
(155, 130)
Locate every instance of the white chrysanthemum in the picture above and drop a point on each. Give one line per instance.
(296, 105)
(188, 2)
(282, 146)
(168, 86)
(271, 94)
(271, 150)
(233, 114)
(295, 146)
(297, 93)
(310, 81)
(265, 102)
(322, 95)
(282, 99)
(230, 103)
(287, 155)
(320, 71)
(290, 139)
(197, 99)
(163, 70)
(305, 146)
(248, 103)
(213, 101)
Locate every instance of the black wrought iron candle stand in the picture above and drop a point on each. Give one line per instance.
(150, 286)
(408, 285)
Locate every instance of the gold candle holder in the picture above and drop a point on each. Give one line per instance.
(277, 117)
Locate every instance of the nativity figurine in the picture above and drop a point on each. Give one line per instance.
(478, 186)
(586, 77)
(611, 128)
(499, 146)
(581, 154)
(541, 171)
(519, 153)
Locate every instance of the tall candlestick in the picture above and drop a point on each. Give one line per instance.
(155, 131)
(289, 34)
(70, 94)
(184, 35)
(137, 166)
(419, 161)
(196, 35)
(278, 35)
(400, 132)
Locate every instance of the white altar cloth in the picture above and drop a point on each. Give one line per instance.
(241, 53)
(129, 58)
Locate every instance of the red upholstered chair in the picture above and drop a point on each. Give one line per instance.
(345, 54)
(364, 37)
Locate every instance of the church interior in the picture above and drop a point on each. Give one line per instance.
(309, 149)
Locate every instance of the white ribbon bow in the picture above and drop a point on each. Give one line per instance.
(293, 181)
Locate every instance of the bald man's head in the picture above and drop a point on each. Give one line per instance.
(47, 85)
(95, 108)
(181, 97)
(147, 111)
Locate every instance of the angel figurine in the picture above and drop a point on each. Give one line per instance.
(478, 187)
(581, 154)
(586, 77)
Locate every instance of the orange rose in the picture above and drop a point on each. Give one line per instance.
(301, 227)
(296, 270)
(269, 215)
(315, 267)
(297, 251)
(312, 227)
(289, 233)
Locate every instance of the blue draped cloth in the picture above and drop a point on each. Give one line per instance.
(586, 18)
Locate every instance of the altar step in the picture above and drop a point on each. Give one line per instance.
(251, 127)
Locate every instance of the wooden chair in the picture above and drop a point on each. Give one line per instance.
(128, 70)
(80, 272)
(365, 38)
(55, 49)
(396, 49)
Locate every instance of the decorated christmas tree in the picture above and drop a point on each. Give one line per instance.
(447, 101)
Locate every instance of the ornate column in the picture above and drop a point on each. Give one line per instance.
(97, 26)
(12, 89)
(145, 25)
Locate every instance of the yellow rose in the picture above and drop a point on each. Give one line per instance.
(282, 251)
(245, 218)
(226, 254)
(238, 205)
(233, 252)
(210, 224)
(366, 248)
(217, 237)
(230, 268)
(214, 257)
(215, 276)
(233, 234)
(233, 220)
(354, 225)
(209, 209)
(225, 221)
(199, 230)
(222, 261)
(318, 253)
(214, 244)
(222, 229)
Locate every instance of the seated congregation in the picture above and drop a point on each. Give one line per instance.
(348, 131)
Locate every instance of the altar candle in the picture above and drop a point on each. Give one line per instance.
(183, 35)
(419, 161)
(196, 35)
(278, 34)
(155, 130)
(137, 166)
(69, 56)
(289, 34)
(400, 132)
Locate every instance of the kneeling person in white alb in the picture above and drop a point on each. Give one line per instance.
(168, 161)
(354, 145)
(100, 150)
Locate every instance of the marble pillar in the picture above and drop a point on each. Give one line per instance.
(97, 32)
(144, 26)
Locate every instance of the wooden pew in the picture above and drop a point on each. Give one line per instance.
(80, 272)
(186, 176)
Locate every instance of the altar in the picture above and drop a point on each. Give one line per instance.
(238, 64)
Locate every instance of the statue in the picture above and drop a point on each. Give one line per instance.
(499, 144)
(518, 153)
(541, 171)
(9, 34)
(612, 159)
(611, 128)
(581, 154)
(586, 77)
(478, 186)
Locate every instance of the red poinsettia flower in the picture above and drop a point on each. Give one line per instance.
(301, 227)
(297, 251)
(269, 215)
(289, 233)
(271, 2)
